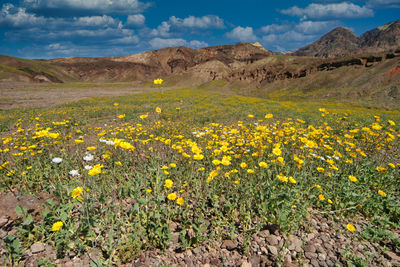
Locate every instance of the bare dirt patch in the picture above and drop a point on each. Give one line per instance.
(25, 95)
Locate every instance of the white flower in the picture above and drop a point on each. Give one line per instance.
(74, 173)
(88, 157)
(109, 142)
(56, 160)
(88, 167)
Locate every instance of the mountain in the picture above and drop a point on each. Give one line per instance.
(342, 42)
(335, 43)
(325, 70)
(383, 38)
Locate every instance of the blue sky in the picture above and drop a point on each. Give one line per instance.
(93, 28)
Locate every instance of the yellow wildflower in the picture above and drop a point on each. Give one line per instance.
(158, 81)
(380, 192)
(263, 164)
(269, 116)
(57, 226)
(180, 201)
(76, 193)
(172, 196)
(168, 183)
(351, 227)
(277, 151)
(96, 169)
(352, 178)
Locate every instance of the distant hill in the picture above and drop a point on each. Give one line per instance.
(343, 42)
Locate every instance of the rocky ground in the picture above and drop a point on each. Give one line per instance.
(322, 241)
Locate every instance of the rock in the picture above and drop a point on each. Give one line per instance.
(255, 260)
(264, 250)
(37, 248)
(330, 263)
(2, 234)
(228, 244)
(3, 221)
(314, 263)
(273, 250)
(310, 248)
(287, 260)
(322, 256)
(311, 255)
(188, 262)
(197, 251)
(246, 264)
(214, 261)
(264, 233)
(391, 256)
(174, 239)
(320, 249)
(295, 243)
(272, 240)
(310, 237)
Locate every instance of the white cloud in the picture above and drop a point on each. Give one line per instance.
(197, 44)
(290, 40)
(242, 34)
(328, 11)
(96, 21)
(204, 22)
(17, 17)
(132, 39)
(275, 28)
(314, 27)
(381, 4)
(162, 30)
(100, 6)
(158, 43)
(135, 21)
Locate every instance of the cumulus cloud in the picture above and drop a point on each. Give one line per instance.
(275, 28)
(314, 27)
(16, 17)
(381, 4)
(175, 26)
(135, 21)
(329, 11)
(242, 34)
(97, 21)
(162, 30)
(290, 40)
(204, 22)
(91, 6)
(158, 43)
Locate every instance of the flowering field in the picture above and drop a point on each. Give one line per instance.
(117, 172)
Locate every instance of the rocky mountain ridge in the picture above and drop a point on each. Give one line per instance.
(342, 42)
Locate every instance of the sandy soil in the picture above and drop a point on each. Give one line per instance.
(20, 95)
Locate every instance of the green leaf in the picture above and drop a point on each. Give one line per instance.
(19, 210)
(28, 220)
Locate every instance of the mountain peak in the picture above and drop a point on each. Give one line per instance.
(342, 41)
(332, 44)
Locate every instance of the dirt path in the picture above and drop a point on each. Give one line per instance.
(25, 95)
